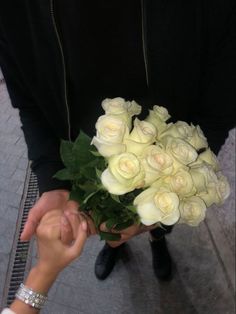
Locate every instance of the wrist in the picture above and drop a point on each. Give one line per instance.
(41, 278)
(44, 270)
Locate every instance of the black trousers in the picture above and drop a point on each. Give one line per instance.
(159, 232)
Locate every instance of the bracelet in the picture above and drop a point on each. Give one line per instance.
(30, 297)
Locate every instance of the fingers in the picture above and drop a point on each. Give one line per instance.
(31, 223)
(36, 215)
(115, 244)
(76, 249)
(72, 206)
(91, 227)
(47, 202)
(74, 220)
(104, 228)
(66, 230)
(144, 228)
(125, 234)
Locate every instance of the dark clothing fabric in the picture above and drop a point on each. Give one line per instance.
(60, 60)
(160, 232)
(104, 55)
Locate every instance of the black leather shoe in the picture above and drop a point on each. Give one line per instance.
(106, 260)
(161, 259)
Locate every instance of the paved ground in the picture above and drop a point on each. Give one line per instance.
(13, 163)
(204, 280)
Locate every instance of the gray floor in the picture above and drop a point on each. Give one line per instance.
(204, 280)
(13, 164)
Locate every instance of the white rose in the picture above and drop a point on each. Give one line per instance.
(142, 135)
(156, 163)
(203, 175)
(133, 108)
(216, 190)
(157, 117)
(124, 110)
(209, 157)
(155, 205)
(181, 183)
(124, 174)
(161, 112)
(180, 149)
(210, 195)
(114, 106)
(110, 135)
(223, 187)
(192, 210)
(180, 129)
(198, 139)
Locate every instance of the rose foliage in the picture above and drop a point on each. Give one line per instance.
(142, 171)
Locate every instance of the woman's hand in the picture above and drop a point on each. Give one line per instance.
(47, 202)
(53, 254)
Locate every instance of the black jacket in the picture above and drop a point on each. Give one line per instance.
(189, 59)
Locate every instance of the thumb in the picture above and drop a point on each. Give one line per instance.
(76, 249)
(31, 223)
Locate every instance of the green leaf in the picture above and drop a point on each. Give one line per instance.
(77, 195)
(99, 173)
(110, 223)
(66, 151)
(88, 173)
(83, 139)
(95, 153)
(110, 204)
(124, 225)
(97, 217)
(94, 201)
(137, 220)
(115, 198)
(132, 208)
(82, 148)
(93, 163)
(89, 196)
(64, 174)
(102, 164)
(88, 186)
(109, 236)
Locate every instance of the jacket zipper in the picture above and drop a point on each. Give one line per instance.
(63, 66)
(144, 41)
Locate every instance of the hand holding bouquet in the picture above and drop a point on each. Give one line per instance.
(147, 172)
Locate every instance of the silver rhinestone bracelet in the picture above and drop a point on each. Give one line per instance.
(30, 297)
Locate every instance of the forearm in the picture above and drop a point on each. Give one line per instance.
(45, 155)
(39, 280)
(42, 142)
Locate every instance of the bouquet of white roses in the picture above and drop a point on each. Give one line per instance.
(145, 172)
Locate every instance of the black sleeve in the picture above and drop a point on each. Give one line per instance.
(43, 145)
(218, 103)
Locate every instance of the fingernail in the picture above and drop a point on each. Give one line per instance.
(84, 225)
(64, 221)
